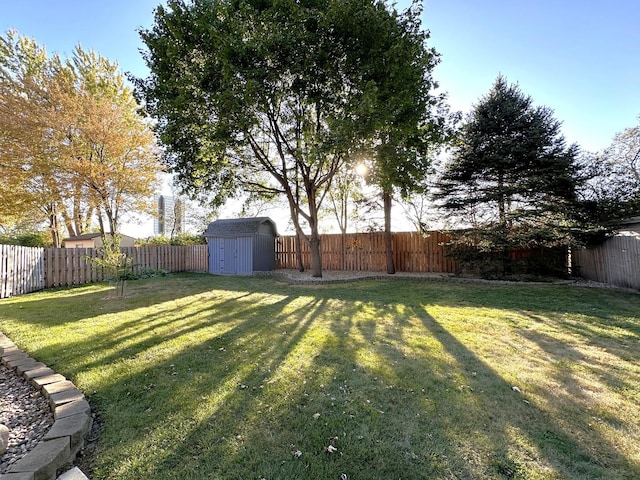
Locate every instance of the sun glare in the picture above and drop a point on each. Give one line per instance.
(361, 169)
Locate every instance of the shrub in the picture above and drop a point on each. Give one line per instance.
(27, 239)
(179, 239)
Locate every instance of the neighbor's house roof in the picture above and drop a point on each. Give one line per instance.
(239, 227)
(90, 236)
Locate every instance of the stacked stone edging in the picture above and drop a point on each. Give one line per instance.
(71, 413)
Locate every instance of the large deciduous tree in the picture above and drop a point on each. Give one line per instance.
(30, 187)
(72, 145)
(412, 121)
(112, 148)
(512, 176)
(293, 89)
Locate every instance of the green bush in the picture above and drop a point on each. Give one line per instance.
(188, 239)
(27, 239)
(144, 273)
(532, 263)
(180, 239)
(152, 241)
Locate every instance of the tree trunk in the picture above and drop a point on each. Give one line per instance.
(502, 208)
(316, 259)
(112, 219)
(77, 213)
(314, 244)
(314, 238)
(388, 244)
(101, 223)
(71, 230)
(53, 226)
(86, 224)
(299, 252)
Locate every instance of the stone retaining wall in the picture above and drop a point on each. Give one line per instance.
(71, 412)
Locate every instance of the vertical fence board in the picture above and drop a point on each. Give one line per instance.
(21, 270)
(412, 252)
(28, 269)
(25, 269)
(616, 261)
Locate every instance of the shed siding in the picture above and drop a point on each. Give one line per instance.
(264, 253)
(241, 246)
(79, 244)
(245, 256)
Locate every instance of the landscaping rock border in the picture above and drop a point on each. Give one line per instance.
(72, 419)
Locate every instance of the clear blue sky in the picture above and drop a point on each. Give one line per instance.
(579, 57)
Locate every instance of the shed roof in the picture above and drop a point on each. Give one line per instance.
(238, 227)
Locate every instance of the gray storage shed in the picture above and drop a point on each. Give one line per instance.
(242, 246)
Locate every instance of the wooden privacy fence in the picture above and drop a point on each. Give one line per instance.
(412, 252)
(21, 270)
(71, 266)
(25, 269)
(616, 261)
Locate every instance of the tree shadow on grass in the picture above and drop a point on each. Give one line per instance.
(567, 445)
(562, 357)
(237, 389)
(587, 384)
(130, 338)
(225, 379)
(360, 381)
(98, 325)
(60, 306)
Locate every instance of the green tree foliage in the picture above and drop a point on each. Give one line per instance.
(178, 239)
(511, 176)
(412, 121)
(26, 238)
(291, 89)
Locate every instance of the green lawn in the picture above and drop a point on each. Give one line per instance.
(206, 377)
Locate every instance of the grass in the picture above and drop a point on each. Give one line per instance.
(206, 377)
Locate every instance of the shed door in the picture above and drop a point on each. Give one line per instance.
(229, 254)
